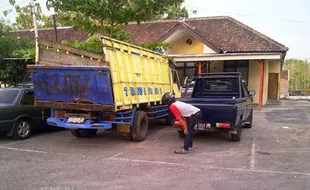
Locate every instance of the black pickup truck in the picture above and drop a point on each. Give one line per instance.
(224, 100)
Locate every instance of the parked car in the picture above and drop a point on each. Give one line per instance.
(18, 115)
(225, 103)
(297, 93)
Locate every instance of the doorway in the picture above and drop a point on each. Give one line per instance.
(273, 86)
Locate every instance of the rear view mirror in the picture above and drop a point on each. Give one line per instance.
(252, 92)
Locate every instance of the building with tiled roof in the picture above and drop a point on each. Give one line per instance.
(218, 44)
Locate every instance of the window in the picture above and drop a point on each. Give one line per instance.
(218, 85)
(217, 88)
(8, 96)
(241, 66)
(28, 98)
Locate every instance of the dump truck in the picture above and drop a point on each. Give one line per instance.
(119, 90)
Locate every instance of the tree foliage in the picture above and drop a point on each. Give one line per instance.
(24, 19)
(176, 12)
(97, 14)
(12, 46)
(299, 74)
(93, 44)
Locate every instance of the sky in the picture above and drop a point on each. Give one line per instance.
(286, 21)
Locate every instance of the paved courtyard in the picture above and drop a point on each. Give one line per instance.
(274, 154)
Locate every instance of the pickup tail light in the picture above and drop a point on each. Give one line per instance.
(223, 125)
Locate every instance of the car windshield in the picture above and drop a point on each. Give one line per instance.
(8, 96)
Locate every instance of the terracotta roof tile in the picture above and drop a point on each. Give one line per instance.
(63, 33)
(224, 33)
(148, 32)
(221, 33)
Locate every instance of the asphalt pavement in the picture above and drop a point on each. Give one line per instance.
(274, 154)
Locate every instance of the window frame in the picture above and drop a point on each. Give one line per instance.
(244, 89)
(234, 64)
(23, 97)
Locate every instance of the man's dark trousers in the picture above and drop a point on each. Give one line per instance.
(188, 141)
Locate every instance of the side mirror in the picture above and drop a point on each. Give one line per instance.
(252, 92)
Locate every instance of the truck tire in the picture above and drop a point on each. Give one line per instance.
(237, 137)
(88, 133)
(139, 128)
(76, 133)
(22, 129)
(250, 120)
(181, 134)
(169, 121)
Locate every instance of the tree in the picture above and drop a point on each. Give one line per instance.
(95, 15)
(24, 19)
(176, 12)
(299, 74)
(12, 46)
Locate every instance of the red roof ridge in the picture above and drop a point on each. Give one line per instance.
(258, 33)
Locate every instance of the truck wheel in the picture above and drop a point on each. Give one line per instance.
(138, 129)
(237, 137)
(76, 133)
(249, 120)
(169, 121)
(88, 133)
(22, 129)
(181, 134)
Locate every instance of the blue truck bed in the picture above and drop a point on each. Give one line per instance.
(72, 84)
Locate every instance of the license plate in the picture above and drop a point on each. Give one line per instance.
(203, 126)
(76, 120)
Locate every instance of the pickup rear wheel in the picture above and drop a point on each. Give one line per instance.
(88, 133)
(139, 128)
(237, 137)
(249, 120)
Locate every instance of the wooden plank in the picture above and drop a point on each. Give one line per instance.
(71, 49)
(48, 57)
(73, 106)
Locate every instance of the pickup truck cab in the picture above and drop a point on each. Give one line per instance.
(225, 103)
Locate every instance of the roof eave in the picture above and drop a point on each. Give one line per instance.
(226, 56)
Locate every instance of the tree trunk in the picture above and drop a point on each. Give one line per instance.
(111, 32)
(102, 27)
